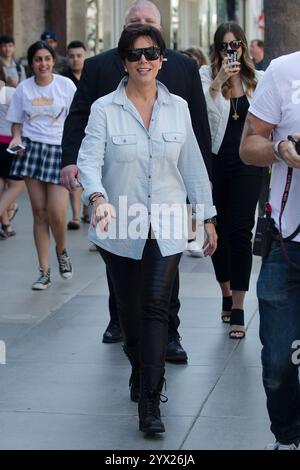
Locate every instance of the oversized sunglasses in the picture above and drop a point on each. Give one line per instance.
(235, 44)
(150, 53)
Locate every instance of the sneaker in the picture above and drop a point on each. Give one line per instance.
(43, 281)
(194, 249)
(65, 265)
(279, 446)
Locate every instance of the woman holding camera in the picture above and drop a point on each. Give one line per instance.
(228, 84)
(37, 112)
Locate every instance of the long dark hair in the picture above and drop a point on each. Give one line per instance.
(247, 66)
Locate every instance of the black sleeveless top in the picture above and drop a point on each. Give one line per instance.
(229, 151)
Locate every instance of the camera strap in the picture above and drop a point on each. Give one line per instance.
(297, 231)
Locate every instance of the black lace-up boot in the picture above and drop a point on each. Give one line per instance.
(152, 380)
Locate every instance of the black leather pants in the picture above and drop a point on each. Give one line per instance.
(174, 307)
(143, 292)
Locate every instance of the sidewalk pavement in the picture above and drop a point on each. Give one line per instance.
(62, 388)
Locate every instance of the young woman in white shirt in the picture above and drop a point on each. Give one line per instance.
(37, 111)
(228, 87)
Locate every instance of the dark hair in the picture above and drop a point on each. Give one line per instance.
(132, 32)
(6, 39)
(74, 44)
(247, 66)
(36, 46)
(197, 54)
(259, 43)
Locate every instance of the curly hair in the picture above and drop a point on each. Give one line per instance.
(247, 67)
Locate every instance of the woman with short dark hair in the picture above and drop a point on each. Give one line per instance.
(140, 148)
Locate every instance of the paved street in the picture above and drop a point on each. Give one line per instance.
(62, 388)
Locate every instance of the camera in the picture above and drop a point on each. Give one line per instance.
(231, 55)
(297, 143)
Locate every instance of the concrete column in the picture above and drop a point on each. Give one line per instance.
(28, 23)
(189, 11)
(76, 20)
(56, 20)
(164, 7)
(6, 16)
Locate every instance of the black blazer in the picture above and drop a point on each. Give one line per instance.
(102, 74)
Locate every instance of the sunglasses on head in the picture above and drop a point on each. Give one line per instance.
(150, 53)
(235, 44)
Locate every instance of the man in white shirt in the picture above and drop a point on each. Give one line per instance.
(276, 109)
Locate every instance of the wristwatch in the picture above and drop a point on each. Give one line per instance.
(276, 152)
(211, 220)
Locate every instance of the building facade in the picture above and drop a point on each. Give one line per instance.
(100, 22)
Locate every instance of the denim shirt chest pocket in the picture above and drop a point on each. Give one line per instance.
(124, 147)
(173, 142)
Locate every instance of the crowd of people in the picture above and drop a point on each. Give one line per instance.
(162, 128)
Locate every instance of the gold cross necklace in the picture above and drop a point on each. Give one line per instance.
(235, 107)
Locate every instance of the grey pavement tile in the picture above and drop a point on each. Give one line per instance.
(231, 433)
(66, 388)
(238, 395)
(207, 346)
(11, 332)
(92, 388)
(247, 354)
(72, 334)
(44, 431)
(187, 388)
(206, 312)
(188, 264)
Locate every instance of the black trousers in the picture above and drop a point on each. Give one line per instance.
(174, 307)
(142, 291)
(236, 191)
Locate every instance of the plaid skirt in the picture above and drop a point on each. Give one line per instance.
(39, 162)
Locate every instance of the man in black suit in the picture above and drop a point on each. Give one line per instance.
(101, 75)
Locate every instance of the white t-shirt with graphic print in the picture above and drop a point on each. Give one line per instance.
(277, 101)
(42, 109)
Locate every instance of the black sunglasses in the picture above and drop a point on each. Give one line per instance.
(235, 44)
(150, 53)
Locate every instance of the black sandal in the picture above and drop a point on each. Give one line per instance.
(74, 224)
(3, 235)
(226, 309)
(237, 319)
(85, 219)
(8, 233)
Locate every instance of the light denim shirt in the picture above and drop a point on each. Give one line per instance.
(152, 169)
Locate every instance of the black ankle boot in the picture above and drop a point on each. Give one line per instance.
(152, 380)
(132, 353)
